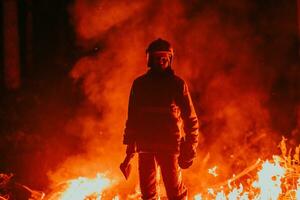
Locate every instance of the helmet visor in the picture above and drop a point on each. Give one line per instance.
(164, 56)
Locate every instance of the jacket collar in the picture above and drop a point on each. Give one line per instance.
(166, 72)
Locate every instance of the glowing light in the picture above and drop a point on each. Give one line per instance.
(212, 171)
(198, 197)
(116, 198)
(269, 180)
(210, 191)
(82, 188)
(277, 179)
(235, 193)
(221, 196)
(298, 190)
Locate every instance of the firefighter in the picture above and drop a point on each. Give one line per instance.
(160, 110)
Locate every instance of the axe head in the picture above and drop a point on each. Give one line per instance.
(125, 169)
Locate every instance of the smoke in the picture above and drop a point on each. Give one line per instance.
(219, 51)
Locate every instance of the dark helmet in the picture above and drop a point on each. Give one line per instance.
(159, 45)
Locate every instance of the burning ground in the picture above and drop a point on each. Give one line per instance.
(239, 58)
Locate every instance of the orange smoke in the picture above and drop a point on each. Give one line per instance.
(220, 56)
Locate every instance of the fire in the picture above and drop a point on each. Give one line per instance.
(269, 180)
(278, 178)
(84, 188)
(298, 190)
(198, 197)
(212, 171)
(275, 179)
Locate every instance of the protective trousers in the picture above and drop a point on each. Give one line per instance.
(171, 175)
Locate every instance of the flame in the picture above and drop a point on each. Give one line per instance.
(273, 179)
(221, 196)
(82, 188)
(278, 178)
(198, 197)
(269, 180)
(238, 192)
(212, 171)
(298, 190)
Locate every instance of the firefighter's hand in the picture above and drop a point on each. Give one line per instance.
(184, 163)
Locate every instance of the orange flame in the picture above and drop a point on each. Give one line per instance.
(277, 179)
(82, 188)
(198, 197)
(212, 171)
(269, 180)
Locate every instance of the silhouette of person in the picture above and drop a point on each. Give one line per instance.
(160, 107)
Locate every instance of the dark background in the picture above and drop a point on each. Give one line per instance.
(33, 116)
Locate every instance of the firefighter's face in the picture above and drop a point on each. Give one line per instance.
(161, 59)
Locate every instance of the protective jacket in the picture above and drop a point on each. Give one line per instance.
(160, 108)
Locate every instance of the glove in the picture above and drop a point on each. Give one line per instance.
(184, 163)
(186, 156)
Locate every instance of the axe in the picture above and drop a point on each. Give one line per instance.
(125, 166)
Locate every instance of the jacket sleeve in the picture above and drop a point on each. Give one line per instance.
(130, 130)
(189, 117)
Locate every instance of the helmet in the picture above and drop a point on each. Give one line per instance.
(159, 45)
